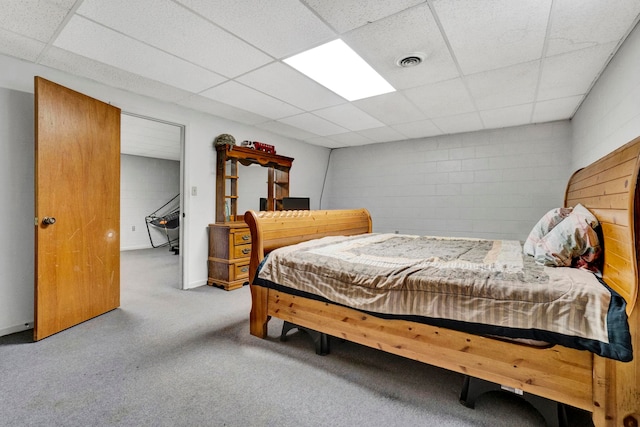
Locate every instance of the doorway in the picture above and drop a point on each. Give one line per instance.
(152, 181)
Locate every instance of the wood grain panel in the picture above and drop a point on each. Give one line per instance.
(517, 366)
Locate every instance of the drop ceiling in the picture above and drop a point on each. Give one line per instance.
(488, 63)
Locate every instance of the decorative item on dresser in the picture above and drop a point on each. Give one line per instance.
(229, 237)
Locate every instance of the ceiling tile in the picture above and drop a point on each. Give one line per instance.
(507, 116)
(556, 109)
(314, 124)
(36, 19)
(197, 40)
(244, 97)
(383, 134)
(390, 108)
(504, 87)
(420, 129)
(351, 139)
(459, 123)
(490, 34)
(284, 129)
(578, 25)
(208, 105)
(279, 27)
(86, 38)
(20, 46)
(383, 42)
(349, 117)
(441, 99)
(572, 73)
(345, 15)
(82, 66)
(324, 142)
(283, 82)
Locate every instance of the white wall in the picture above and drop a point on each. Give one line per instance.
(493, 184)
(16, 211)
(146, 184)
(610, 115)
(16, 277)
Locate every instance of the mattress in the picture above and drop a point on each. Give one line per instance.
(475, 285)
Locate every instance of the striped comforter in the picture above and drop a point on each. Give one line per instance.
(477, 285)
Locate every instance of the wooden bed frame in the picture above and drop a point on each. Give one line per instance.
(607, 388)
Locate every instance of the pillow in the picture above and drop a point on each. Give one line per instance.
(573, 237)
(543, 226)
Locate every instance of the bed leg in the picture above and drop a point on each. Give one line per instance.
(616, 385)
(258, 318)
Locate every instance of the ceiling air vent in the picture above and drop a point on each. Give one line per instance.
(410, 60)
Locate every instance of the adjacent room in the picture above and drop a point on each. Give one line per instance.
(141, 137)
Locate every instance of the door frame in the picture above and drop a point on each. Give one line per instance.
(182, 232)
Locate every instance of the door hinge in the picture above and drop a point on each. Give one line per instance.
(35, 222)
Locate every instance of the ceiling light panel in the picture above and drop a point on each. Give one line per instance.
(490, 34)
(86, 38)
(268, 25)
(337, 67)
(190, 36)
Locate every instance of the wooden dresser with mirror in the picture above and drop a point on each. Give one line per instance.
(229, 237)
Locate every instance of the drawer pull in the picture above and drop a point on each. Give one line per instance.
(246, 237)
(246, 250)
(244, 269)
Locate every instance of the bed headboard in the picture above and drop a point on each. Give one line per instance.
(609, 188)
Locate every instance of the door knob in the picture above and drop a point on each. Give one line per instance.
(48, 220)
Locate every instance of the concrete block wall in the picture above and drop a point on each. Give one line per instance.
(487, 184)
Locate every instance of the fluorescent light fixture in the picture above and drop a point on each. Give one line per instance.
(337, 67)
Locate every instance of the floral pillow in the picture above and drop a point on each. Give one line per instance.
(542, 227)
(573, 241)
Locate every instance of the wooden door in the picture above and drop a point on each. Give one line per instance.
(77, 208)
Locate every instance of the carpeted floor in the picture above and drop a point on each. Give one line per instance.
(169, 357)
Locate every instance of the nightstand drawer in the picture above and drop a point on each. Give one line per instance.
(242, 251)
(241, 237)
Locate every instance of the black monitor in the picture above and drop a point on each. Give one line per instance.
(295, 204)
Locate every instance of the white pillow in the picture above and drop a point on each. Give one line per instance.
(573, 237)
(543, 226)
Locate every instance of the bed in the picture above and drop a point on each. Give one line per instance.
(586, 379)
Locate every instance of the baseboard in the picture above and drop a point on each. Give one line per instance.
(196, 284)
(135, 248)
(17, 328)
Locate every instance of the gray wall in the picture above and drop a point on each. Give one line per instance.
(146, 184)
(493, 184)
(16, 211)
(610, 116)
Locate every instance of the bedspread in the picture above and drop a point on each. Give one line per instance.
(476, 285)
